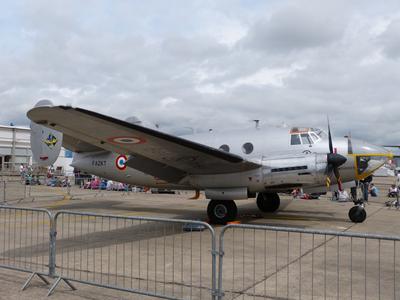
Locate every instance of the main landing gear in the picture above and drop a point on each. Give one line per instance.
(357, 213)
(224, 211)
(268, 202)
(221, 211)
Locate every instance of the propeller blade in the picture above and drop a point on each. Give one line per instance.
(335, 160)
(338, 178)
(330, 138)
(328, 182)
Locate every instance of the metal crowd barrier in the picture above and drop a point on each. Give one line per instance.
(148, 256)
(24, 240)
(289, 263)
(170, 259)
(13, 190)
(2, 191)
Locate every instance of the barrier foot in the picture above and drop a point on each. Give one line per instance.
(55, 284)
(31, 277)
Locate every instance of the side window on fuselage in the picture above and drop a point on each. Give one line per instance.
(295, 139)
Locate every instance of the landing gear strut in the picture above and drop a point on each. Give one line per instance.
(268, 202)
(221, 211)
(357, 213)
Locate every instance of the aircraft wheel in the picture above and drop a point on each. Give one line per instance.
(357, 214)
(268, 202)
(221, 211)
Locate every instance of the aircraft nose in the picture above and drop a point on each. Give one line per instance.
(368, 157)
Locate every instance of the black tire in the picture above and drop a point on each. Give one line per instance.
(268, 202)
(221, 211)
(357, 214)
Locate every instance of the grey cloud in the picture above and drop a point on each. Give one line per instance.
(123, 64)
(300, 25)
(390, 39)
(199, 47)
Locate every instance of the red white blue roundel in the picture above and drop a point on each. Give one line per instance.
(120, 162)
(124, 140)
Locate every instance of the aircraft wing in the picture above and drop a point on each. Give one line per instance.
(77, 145)
(153, 149)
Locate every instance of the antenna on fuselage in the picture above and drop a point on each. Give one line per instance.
(257, 123)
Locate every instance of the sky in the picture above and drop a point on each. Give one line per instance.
(208, 64)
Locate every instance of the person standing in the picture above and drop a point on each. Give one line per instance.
(353, 191)
(365, 187)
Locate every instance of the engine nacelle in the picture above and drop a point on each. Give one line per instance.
(45, 142)
(303, 170)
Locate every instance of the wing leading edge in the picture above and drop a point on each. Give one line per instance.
(154, 149)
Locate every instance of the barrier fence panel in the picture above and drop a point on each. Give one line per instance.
(13, 190)
(24, 239)
(149, 256)
(261, 262)
(63, 187)
(2, 191)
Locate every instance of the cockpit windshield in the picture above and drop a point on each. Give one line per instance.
(306, 135)
(322, 134)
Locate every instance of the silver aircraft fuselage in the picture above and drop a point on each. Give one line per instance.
(284, 164)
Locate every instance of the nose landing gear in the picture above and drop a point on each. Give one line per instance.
(357, 213)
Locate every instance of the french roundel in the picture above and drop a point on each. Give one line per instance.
(125, 140)
(120, 162)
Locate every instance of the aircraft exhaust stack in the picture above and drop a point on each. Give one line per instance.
(45, 143)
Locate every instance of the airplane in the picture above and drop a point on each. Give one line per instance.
(240, 164)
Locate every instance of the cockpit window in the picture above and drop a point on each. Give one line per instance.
(306, 135)
(305, 139)
(295, 139)
(314, 137)
(322, 134)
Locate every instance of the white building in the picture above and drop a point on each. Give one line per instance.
(15, 149)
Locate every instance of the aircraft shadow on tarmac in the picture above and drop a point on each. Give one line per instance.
(99, 239)
(247, 211)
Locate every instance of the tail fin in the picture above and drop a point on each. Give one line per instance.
(45, 142)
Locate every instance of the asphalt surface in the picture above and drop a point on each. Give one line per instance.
(86, 249)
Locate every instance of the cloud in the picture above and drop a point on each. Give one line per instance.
(168, 102)
(390, 39)
(297, 26)
(206, 64)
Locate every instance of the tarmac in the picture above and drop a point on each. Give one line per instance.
(319, 214)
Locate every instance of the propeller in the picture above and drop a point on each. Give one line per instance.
(334, 161)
